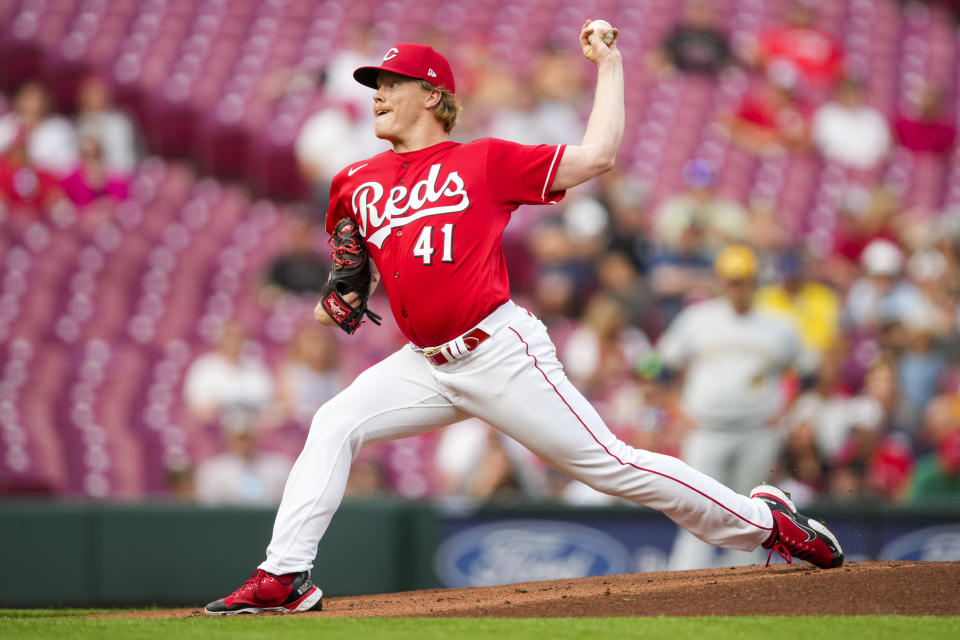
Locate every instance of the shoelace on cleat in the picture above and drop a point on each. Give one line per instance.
(781, 549)
(788, 548)
(252, 582)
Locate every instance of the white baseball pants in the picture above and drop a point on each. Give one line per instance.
(515, 382)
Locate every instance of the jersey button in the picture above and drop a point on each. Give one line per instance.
(401, 180)
(399, 234)
(405, 165)
(404, 313)
(396, 274)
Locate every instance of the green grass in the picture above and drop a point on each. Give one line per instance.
(7, 614)
(15, 625)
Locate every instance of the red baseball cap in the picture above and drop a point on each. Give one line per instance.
(412, 60)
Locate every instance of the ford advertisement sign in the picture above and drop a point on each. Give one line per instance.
(523, 550)
(932, 543)
(486, 548)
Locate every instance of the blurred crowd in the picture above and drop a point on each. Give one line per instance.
(856, 396)
(47, 160)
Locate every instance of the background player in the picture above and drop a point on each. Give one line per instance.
(733, 356)
(432, 212)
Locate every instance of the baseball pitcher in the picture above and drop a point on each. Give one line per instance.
(425, 219)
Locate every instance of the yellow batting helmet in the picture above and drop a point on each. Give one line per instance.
(736, 262)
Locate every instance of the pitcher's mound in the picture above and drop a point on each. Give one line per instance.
(859, 588)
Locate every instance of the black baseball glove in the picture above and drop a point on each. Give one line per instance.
(350, 272)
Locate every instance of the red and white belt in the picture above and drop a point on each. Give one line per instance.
(455, 349)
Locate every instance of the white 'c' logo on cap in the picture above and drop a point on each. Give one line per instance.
(391, 54)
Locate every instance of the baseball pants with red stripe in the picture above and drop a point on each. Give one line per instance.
(515, 382)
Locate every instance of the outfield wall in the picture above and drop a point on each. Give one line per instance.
(169, 554)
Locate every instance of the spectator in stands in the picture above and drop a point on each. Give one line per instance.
(368, 477)
(572, 240)
(696, 44)
(802, 471)
(820, 422)
(768, 231)
(927, 127)
(771, 119)
(945, 238)
(99, 119)
(300, 269)
(688, 230)
(585, 221)
(938, 276)
(555, 300)
(882, 296)
(864, 216)
(181, 481)
(475, 461)
(553, 250)
(227, 377)
(920, 366)
(51, 143)
(23, 186)
(497, 98)
(888, 474)
(646, 413)
(93, 179)
(242, 474)
(857, 444)
(309, 375)
(733, 357)
(848, 131)
(517, 119)
(798, 50)
(813, 307)
(330, 139)
(940, 285)
(936, 477)
(942, 416)
(720, 220)
(618, 278)
(538, 109)
(356, 48)
(681, 273)
(604, 349)
(627, 200)
(557, 80)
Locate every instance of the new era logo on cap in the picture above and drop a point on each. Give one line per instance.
(412, 60)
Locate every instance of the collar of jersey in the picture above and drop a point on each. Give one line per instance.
(426, 150)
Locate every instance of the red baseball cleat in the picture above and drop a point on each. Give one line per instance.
(795, 534)
(267, 592)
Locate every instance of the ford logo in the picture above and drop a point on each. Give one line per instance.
(526, 550)
(932, 543)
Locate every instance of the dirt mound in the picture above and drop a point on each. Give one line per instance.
(906, 588)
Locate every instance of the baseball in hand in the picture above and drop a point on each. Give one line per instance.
(603, 29)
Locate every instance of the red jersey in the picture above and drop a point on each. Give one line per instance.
(24, 185)
(932, 137)
(433, 221)
(813, 52)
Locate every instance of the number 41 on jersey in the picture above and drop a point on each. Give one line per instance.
(425, 250)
